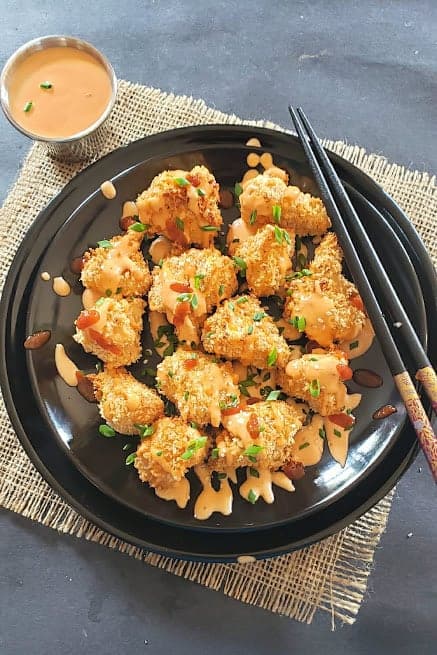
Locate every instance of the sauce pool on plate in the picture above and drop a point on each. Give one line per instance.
(58, 92)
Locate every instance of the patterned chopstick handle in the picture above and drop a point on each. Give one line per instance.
(419, 419)
(427, 376)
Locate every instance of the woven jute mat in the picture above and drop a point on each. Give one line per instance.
(329, 576)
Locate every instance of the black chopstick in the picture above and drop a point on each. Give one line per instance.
(324, 177)
(425, 373)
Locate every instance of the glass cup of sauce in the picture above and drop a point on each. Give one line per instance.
(59, 91)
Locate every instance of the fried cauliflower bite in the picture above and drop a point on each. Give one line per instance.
(118, 268)
(183, 206)
(267, 255)
(189, 286)
(318, 378)
(113, 330)
(241, 329)
(262, 435)
(267, 199)
(164, 458)
(199, 387)
(124, 402)
(329, 304)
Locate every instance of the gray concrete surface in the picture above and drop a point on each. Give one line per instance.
(366, 71)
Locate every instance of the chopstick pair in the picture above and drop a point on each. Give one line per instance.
(338, 205)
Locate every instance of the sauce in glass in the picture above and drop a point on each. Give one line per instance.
(58, 92)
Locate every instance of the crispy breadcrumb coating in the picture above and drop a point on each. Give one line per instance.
(199, 387)
(241, 329)
(268, 199)
(115, 338)
(189, 286)
(260, 435)
(267, 255)
(325, 299)
(183, 206)
(118, 268)
(318, 378)
(124, 402)
(164, 457)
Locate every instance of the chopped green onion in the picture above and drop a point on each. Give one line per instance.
(181, 181)
(160, 263)
(303, 273)
(108, 293)
(28, 106)
(179, 223)
(353, 345)
(158, 453)
(118, 290)
(145, 430)
(322, 433)
(301, 323)
(45, 85)
(184, 297)
(194, 302)
(274, 395)
(254, 472)
(105, 244)
(276, 211)
(238, 189)
(194, 446)
(209, 228)
(99, 367)
(150, 371)
(272, 357)
(127, 446)
(222, 476)
(252, 218)
(186, 395)
(197, 280)
(301, 259)
(337, 433)
(279, 237)
(106, 430)
(137, 227)
(200, 192)
(130, 459)
(313, 359)
(252, 497)
(253, 450)
(258, 316)
(242, 300)
(250, 329)
(240, 263)
(304, 445)
(315, 388)
(214, 453)
(221, 289)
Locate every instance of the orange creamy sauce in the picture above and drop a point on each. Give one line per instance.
(80, 92)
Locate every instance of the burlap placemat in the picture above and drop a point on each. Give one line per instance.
(330, 575)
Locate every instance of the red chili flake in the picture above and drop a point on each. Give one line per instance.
(181, 311)
(76, 265)
(384, 411)
(253, 426)
(103, 342)
(345, 372)
(191, 363)
(233, 410)
(343, 420)
(87, 318)
(357, 302)
(126, 221)
(180, 287)
(194, 179)
(294, 470)
(174, 233)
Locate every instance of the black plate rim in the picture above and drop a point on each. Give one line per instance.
(71, 186)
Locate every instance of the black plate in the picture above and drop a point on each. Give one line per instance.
(328, 496)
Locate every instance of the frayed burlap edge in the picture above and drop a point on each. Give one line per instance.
(331, 575)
